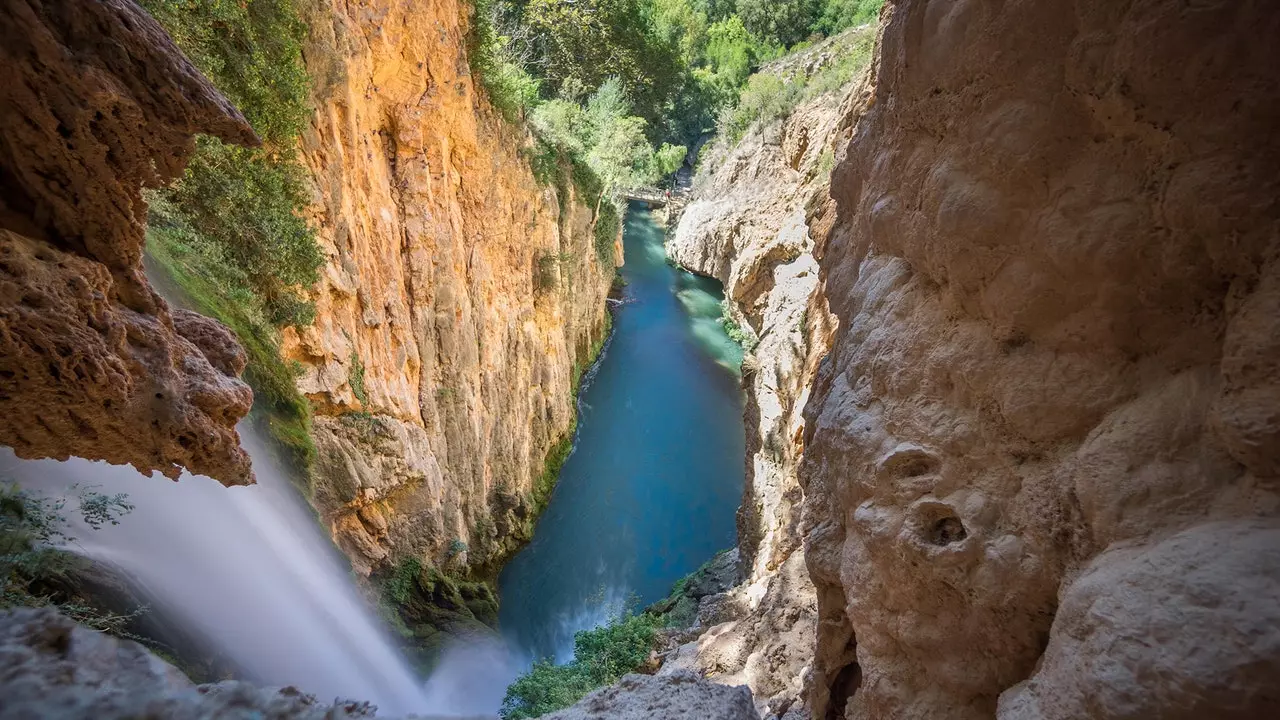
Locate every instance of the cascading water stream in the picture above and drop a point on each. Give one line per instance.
(246, 568)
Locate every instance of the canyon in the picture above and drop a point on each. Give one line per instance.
(440, 376)
(1011, 300)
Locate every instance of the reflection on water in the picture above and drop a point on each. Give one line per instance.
(650, 490)
(703, 302)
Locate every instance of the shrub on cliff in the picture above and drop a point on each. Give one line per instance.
(230, 232)
(600, 657)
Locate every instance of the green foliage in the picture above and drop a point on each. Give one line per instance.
(252, 49)
(768, 98)
(608, 225)
(235, 210)
(600, 657)
(404, 576)
(427, 606)
(852, 59)
(580, 44)
(765, 99)
(456, 548)
(229, 233)
(838, 15)
(736, 333)
(546, 480)
(356, 379)
(494, 60)
(784, 22)
(32, 527)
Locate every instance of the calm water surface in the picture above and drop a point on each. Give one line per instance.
(651, 488)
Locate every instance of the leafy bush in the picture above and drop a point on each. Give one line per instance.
(494, 59)
(356, 379)
(236, 209)
(736, 333)
(785, 22)
(600, 657)
(229, 232)
(853, 59)
(838, 15)
(765, 99)
(32, 527)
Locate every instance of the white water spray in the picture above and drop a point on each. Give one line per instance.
(249, 570)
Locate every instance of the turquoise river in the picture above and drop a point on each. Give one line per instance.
(650, 490)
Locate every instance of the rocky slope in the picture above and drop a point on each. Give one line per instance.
(52, 668)
(757, 207)
(1042, 458)
(459, 299)
(93, 362)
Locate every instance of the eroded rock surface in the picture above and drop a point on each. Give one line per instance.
(97, 104)
(1041, 458)
(440, 366)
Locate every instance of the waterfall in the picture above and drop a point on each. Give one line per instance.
(248, 569)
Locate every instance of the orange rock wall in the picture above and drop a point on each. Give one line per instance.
(441, 373)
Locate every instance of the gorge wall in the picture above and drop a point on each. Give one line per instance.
(458, 303)
(1041, 461)
(757, 206)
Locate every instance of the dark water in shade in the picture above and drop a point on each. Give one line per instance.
(651, 488)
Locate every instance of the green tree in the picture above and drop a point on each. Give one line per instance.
(600, 657)
(785, 22)
(838, 15)
(582, 43)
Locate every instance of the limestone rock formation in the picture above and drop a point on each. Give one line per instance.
(97, 104)
(757, 208)
(1041, 460)
(440, 366)
(679, 696)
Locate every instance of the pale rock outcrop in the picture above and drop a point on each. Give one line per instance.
(1040, 460)
(679, 696)
(97, 104)
(440, 368)
(757, 207)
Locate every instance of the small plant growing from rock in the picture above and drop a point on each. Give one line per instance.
(456, 548)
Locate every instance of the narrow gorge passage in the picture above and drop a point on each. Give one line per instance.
(650, 490)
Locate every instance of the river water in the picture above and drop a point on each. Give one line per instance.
(651, 488)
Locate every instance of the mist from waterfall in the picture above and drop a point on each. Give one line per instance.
(249, 571)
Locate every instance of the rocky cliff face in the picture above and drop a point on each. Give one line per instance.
(458, 301)
(758, 206)
(98, 103)
(1042, 458)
